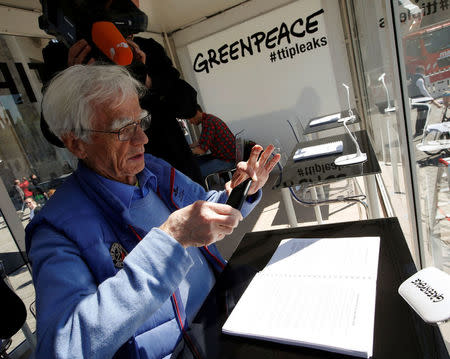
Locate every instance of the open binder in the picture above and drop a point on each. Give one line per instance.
(317, 293)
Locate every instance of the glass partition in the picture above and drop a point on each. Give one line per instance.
(424, 61)
(412, 141)
(403, 48)
(376, 66)
(30, 167)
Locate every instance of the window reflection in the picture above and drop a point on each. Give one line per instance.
(424, 34)
(24, 150)
(30, 167)
(428, 70)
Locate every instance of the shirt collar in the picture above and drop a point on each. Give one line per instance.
(125, 192)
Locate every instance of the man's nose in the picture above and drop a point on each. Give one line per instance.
(139, 138)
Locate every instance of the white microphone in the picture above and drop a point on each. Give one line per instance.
(359, 156)
(350, 112)
(388, 108)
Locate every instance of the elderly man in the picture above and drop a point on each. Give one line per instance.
(123, 254)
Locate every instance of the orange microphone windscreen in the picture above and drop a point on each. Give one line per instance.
(110, 41)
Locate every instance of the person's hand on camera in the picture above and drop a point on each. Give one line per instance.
(139, 56)
(202, 223)
(78, 53)
(258, 168)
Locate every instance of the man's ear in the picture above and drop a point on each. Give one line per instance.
(74, 145)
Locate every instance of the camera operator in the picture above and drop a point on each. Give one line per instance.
(168, 98)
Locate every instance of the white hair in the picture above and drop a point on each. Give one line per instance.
(71, 98)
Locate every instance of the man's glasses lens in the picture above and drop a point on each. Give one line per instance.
(128, 131)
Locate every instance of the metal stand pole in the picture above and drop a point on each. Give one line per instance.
(289, 206)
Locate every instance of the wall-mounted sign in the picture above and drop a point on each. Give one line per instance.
(273, 67)
(285, 42)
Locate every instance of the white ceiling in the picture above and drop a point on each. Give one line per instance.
(170, 15)
(22, 4)
(164, 15)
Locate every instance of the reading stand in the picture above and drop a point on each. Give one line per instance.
(399, 332)
(329, 125)
(322, 169)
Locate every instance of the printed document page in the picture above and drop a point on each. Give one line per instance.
(352, 256)
(295, 300)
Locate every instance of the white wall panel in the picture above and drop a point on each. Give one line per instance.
(155, 36)
(259, 95)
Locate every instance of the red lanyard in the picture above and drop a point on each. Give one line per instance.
(179, 311)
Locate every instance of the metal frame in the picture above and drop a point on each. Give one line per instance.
(411, 180)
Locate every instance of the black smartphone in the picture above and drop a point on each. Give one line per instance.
(239, 194)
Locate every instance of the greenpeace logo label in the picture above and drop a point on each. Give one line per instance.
(431, 293)
(282, 40)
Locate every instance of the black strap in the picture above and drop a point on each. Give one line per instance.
(49, 135)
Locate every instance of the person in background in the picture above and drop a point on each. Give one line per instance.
(123, 255)
(32, 206)
(169, 97)
(35, 179)
(24, 186)
(217, 138)
(20, 193)
(39, 194)
(418, 89)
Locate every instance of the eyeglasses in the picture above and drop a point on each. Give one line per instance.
(127, 132)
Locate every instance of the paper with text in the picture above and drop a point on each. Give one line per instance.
(318, 293)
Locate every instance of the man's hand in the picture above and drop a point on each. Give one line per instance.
(257, 168)
(201, 223)
(78, 52)
(197, 150)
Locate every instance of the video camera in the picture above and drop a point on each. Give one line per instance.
(105, 27)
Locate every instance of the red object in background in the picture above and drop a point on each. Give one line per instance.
(444, 161)
(429, 47)
(24, 186)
